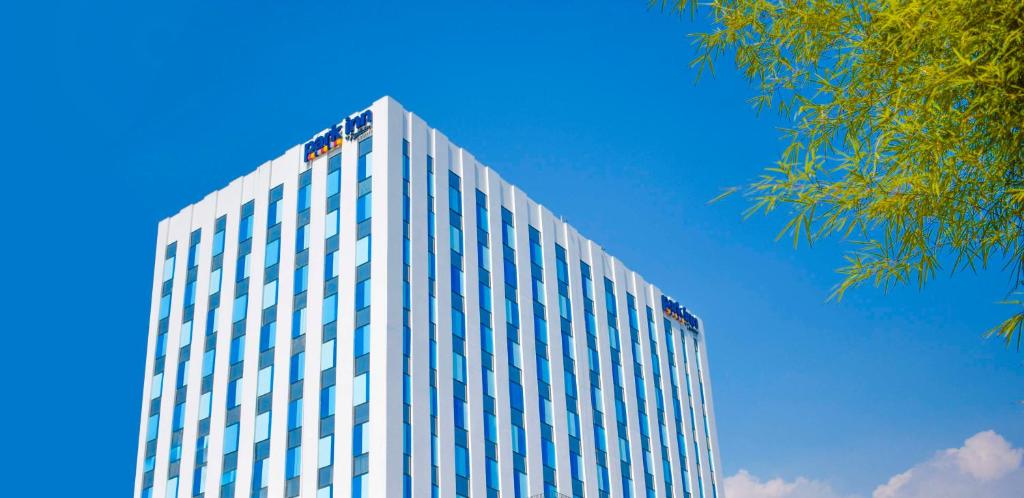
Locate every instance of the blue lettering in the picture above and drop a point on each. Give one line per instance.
(333, 137)
(678, 312)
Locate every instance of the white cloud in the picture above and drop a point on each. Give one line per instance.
(985, 466)
(745, 485)
(987, 456)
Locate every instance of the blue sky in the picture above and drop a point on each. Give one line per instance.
(118, 114)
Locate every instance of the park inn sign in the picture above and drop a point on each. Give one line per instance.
(678, 312)
(353, 128)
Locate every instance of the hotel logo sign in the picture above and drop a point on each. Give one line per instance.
(679, 313)
(353, 128)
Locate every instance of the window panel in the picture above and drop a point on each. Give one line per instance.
(362, 341)
(239, 309)
(362, 294)
(270, 294)
(325, 450)
(330, 309)
(262, 430)
(363, 250)
(331, 224)
(273, 253)
(328, 352)
(231, 439)
(264, 380)
(360, 389)
(333, 182)
(364, 207)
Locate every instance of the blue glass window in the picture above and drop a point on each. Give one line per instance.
(233, 398)
(169, 264)
(518, 440)
(330, 308)
(454, 199)
(459, 367)
(461, 461)
(302, 238)
(242, 268)
(364, 166)
(333, 182)
(360, 389)
(458, 324)
(273, 253)
(293, 462)
(237, 349)
(231, 438)
(218, 242)
(364, 207)
(268, 335)
(516, 396)
(182, 375)
(301, 279)
(362, 294)
(362, 341)
(165, 306)
(358, 440)
(490, 427)
(359, 487)
(198, 480)
(245, 228)
(303, 198)
(492, 474)
(363, 250)
(295, 414)
(487, 339)
(455, 238)
(274, 213)
(299, 322)
(298, 366)
(331, 224)
(269, 294)
(328, 354)
(152, 425)
(208, 358)
(327, 402)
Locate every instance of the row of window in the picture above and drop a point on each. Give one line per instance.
(641, 395)
(680, 438)
(360, 337)
(407, 482)
(435, 485)
(666, 460)
(520, 484)
(704, 414)
(209, 357)
(491, 473)
(572, 415)
(540, 333)
(594, 361)
(615, 342)
(459, 404)
(297, 355)
(158, 375)
(239, 315)
(268, 335)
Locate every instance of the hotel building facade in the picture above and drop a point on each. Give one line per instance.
(376, 314)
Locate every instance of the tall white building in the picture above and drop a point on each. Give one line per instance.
(376, 314)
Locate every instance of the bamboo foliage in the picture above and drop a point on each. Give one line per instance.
(904, 135)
